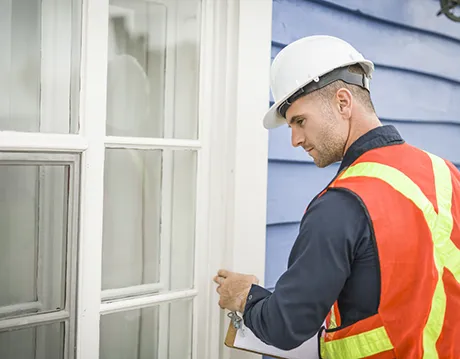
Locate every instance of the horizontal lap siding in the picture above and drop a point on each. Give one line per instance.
(416, 87)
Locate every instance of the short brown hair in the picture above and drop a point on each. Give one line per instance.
(360, 93)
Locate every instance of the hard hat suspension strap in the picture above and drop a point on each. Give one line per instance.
(341, 73)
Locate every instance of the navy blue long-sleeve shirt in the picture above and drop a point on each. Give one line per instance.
(333, 258)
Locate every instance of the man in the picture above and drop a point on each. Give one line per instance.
(377, 253)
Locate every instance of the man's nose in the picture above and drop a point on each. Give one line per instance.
(297, 137)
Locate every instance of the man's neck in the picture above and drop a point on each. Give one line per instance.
(359, 127)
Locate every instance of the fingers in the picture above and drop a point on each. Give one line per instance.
(223, 273)
(218, 280)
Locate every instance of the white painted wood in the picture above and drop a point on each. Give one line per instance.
(150, 143)
(110, 294)
(166, 125)
(251, 143)
(92, 113)
(55, 117)
(234, 89)
(52, 244)
(251, 139)
(141, 302)
(34, 320)
(25, 158)
(20, 309)
(213, 172)
(22, 141)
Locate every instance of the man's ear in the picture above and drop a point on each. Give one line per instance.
(344, 101)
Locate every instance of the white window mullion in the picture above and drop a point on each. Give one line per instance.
(142, 302)
(55, 92)
(167, 179)
(93, 114)
(51, 189)
(39, 142)
(20, 309)
(143, 143)
(32, 321)
(143, 289)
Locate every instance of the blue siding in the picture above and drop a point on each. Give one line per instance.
(416, 87)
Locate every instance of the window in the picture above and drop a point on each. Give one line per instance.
(150, 178)
(144, 153)
(39, 65)
(38, 217)
(153, 67)
(117, 160)
(156, 332)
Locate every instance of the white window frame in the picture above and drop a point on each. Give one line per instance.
(235, 90)
(231, 205)
(67, 314)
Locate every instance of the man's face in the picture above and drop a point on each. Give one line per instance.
(317, 127)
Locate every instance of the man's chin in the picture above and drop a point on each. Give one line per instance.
(321, 163)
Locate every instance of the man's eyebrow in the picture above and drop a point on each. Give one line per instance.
(295, 118)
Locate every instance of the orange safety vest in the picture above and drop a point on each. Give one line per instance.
(413, 201)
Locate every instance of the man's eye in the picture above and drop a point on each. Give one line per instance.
(300, 122)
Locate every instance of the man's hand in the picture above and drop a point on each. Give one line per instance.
(233, 289)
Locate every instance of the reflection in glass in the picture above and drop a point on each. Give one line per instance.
(33, 222)
(153, 62)
(39, 51)
(149, 220)
(159, 332)
(43, 342)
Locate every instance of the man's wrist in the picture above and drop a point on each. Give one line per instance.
(244, 298)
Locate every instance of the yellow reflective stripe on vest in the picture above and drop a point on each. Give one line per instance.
(446, 254)
(446, 249)
(333, 323)
(441, 239)
(358, 346)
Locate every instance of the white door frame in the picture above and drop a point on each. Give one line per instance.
(234, 93)
(234, 97)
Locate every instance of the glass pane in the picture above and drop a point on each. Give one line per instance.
(33, 222)
(153, 65)
(160, 332)
(149, 221)
(44, 342)
(35, 65)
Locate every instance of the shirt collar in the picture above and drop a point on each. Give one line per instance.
(378, 137)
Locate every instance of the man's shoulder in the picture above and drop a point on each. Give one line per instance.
(335, 203)
(335, 223)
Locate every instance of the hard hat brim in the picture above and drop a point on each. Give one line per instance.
(272, 118)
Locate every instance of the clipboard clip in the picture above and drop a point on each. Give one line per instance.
(237, 321)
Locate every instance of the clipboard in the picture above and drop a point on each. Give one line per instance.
(241, 338)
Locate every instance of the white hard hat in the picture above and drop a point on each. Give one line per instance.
(307, 65)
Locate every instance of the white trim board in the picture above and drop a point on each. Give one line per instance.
(234, 96)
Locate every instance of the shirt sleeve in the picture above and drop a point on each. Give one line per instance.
(320, 262)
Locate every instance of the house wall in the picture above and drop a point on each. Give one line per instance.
(416, 87)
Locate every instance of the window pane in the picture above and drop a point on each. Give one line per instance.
(33, 222)
(153, 65)
(160, 332)
(149, 221)
(44, 342)
(35, 65)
